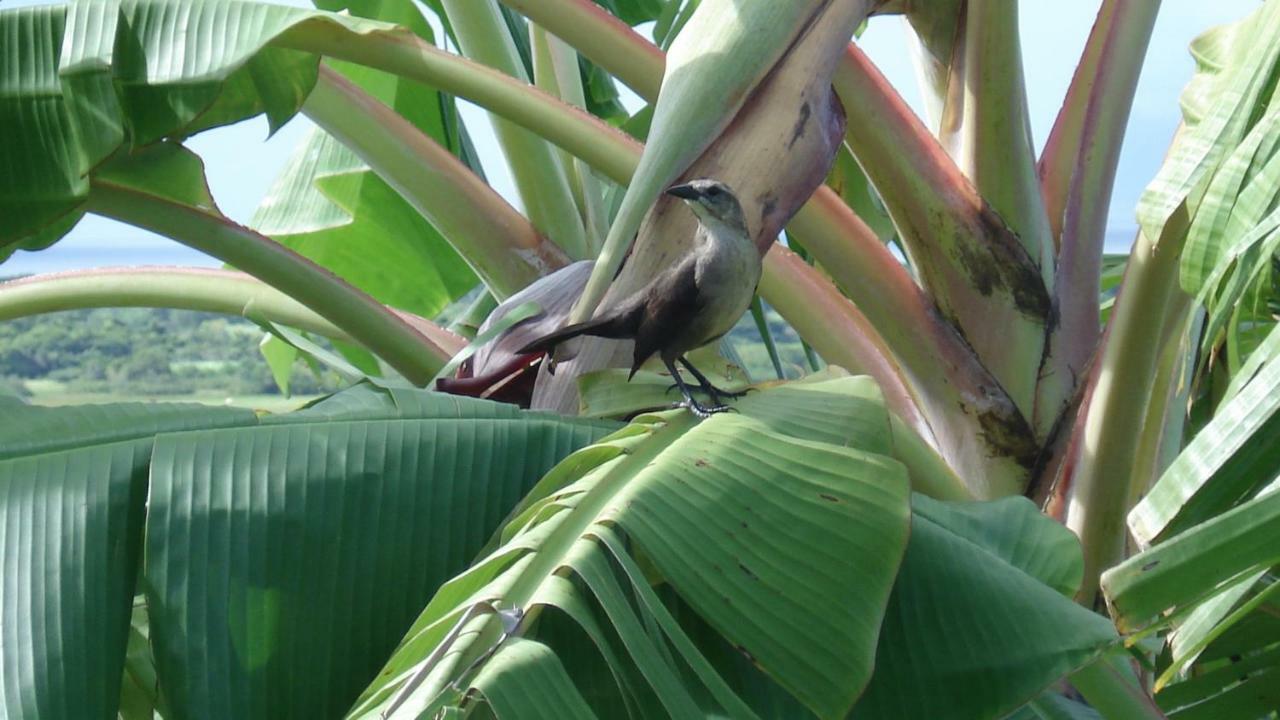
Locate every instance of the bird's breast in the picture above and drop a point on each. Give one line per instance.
(728, 271)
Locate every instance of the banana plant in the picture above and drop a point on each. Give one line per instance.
(1005, 480)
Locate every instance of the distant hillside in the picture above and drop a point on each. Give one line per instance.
(141, 352)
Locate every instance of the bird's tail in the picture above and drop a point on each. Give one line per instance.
(615, 325)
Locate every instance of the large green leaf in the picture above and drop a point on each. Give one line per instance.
(1255, 632)
(777, 526)
(1241, 685)
(528, 680)
(981, 620)
(367, 401)
(1231, 97)
(609, 393)
(130, 73)
(31, 430)
(1251, 695)
(375, 401)
(1229, 459)
(284, 561)
(1196, 644)
(1178, 573)
(329, 206)
(72, 533)
(72, 486)
(1222, 172)
(47, 154)
(1236, 64)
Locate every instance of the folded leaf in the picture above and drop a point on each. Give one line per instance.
(785, 546)
(73, 482)
(972, 591)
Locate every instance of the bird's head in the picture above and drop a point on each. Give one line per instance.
(711, 200)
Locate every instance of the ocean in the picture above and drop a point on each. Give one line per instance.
(83, 255)
(77, 257)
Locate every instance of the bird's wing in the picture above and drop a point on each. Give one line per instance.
(670, 301)
(621, 323)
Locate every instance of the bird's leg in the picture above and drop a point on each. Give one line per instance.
(694, 406)
(717, 395)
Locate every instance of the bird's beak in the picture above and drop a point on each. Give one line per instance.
(685, 191)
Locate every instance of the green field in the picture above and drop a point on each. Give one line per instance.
(157, 355)
(53, 392)
(143, 354)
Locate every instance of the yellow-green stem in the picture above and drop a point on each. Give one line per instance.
(498, 242)
(929, 473)
(538, 173)
(555, 70)
(606, 148)
(1077, 172)
(997, 151)
(602, 38)
(1103, 481)
(972, 265)
(187, 288)
(835, 327)
(366, 320)
(1148, 460)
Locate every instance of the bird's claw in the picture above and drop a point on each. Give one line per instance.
(703, 411)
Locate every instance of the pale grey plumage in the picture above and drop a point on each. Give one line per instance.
(693, 303)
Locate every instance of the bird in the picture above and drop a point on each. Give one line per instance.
(689, 304)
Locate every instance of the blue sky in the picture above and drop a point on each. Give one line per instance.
(241, 161)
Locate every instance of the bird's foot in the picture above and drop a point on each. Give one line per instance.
(703, 411)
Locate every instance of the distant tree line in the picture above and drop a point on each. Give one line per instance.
(142, 351)
(164, 352)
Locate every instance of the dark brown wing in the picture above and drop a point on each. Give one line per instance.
(670, 301)
(620, 324)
